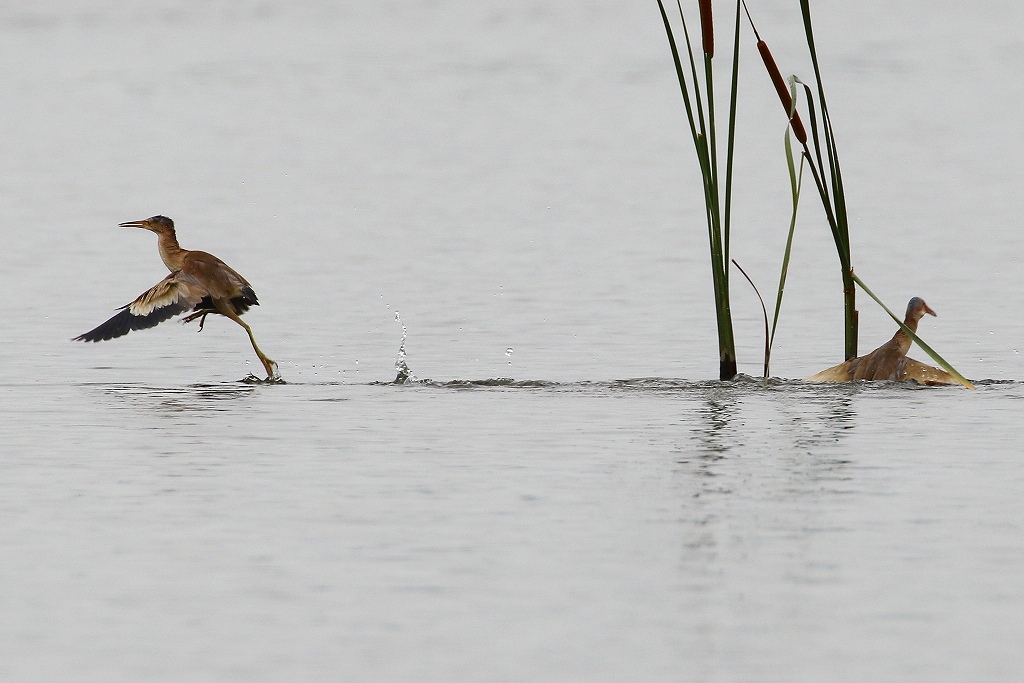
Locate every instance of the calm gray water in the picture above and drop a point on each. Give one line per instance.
(513, 188)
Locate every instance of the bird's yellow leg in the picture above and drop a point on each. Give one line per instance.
(268, 365)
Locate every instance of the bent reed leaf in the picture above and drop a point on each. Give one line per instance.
(764, 310)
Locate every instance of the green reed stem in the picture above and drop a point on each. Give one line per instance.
(838, 217)
(701, 117)
(796, 178)
(829, 185)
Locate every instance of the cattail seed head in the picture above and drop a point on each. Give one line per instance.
(780, 87)
(707, 29)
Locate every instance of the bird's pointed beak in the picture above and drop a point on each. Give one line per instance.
(134, 224)
(929, 311)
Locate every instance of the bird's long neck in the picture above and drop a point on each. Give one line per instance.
(901, 337)
(171, 252)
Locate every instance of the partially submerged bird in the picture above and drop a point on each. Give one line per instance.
(889, 361)
(198, 282)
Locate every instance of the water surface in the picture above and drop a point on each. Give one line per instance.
(495, 178)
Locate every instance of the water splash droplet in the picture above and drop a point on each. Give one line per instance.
(403, 373)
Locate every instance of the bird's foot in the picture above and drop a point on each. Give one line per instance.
(273, 376)
(198, 314)
(273, 373)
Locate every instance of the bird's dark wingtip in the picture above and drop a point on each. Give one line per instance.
(124, 322)
(89, 336)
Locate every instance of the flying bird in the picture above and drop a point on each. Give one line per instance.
(198, 282)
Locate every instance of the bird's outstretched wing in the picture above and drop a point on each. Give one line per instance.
(173, 295)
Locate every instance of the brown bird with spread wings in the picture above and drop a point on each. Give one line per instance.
(889, 361)
(199, 282)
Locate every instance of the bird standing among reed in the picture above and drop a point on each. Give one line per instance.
(889, 361)
(198, 282)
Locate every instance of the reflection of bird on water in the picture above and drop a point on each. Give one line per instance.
(199, 282)
(889, 361)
